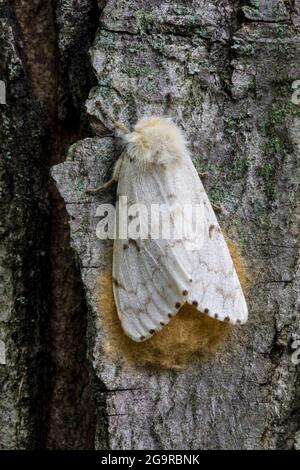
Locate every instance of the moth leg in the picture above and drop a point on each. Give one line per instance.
(117, 167)
(102, 187)
(115, 177)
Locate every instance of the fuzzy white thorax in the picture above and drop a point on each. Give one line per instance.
(156, 140)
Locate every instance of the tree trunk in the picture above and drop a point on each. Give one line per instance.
(224, 71)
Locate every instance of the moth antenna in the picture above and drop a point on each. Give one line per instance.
(115, 122)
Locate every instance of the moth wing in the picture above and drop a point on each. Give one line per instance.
(216, 289)
(151, 277)
(154, 277)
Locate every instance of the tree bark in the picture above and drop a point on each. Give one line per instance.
(45, 382)
(224, 71)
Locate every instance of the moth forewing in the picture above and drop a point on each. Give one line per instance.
(154, 276)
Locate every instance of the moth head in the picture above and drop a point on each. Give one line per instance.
(155, 140)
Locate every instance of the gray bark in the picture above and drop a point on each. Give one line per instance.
(224, 71)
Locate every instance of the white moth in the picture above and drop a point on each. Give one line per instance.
(153, 278)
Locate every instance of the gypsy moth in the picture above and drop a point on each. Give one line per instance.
(154, 277)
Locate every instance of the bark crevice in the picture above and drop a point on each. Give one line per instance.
(54, 55)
